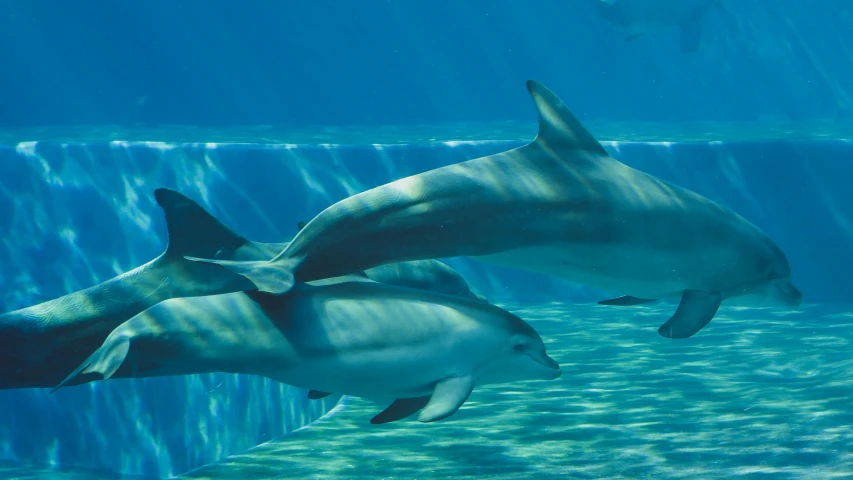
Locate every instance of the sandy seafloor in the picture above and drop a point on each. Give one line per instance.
(759, 393)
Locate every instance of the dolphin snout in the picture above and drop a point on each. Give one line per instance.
(791, 295)
(543, 359)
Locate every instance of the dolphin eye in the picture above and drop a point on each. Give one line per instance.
(518, 347)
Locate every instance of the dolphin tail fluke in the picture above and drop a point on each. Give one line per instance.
(101, 365)
(194, 232)
(696, 310)
(267, 277)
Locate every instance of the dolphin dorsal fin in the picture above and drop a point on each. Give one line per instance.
(193, 230)
(558, 127)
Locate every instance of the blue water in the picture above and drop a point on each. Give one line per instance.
(392, 62)
(743, 358)
(763, 395)
(267, 112)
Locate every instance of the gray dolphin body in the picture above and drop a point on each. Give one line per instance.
(361, 338)
(37, 342)
(559, 205)
(40, 344)
(641, 17)
(427, 274)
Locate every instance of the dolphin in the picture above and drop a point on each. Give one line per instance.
(560, 205)
(37, 341)
(641, 17)
(423, 349)
(427, 274)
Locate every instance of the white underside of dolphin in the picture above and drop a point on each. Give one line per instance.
(559, 205)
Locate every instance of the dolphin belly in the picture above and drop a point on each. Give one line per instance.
(371, 344)
(387, 373)
(635, 271)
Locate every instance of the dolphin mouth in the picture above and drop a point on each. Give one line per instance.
(548, 362)
(791, 295)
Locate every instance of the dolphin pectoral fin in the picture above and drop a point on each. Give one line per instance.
(447, 397)
(626, 301)
(558, 127)
(694, 312)
(316, 394)
(268, 277)
(400, 409)
(103, 363)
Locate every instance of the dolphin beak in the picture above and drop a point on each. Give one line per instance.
(543, 359)
(791, 295)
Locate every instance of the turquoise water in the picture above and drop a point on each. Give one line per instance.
(267, 112)
(486, 131)
(759, 393)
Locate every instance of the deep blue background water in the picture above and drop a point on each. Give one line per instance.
(330, 62)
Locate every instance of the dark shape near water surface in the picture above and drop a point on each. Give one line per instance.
(560, 205)
(642, 17)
